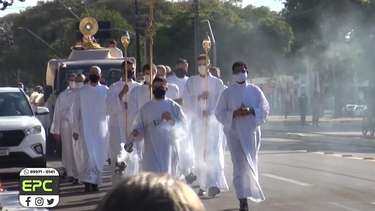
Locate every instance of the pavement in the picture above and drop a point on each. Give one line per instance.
(301, 168)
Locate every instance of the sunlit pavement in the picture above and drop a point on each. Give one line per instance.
(315, 172)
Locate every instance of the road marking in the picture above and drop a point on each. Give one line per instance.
(343, 206)
(346, 156)
(320, 153)
(355, 158)
(373, 203)
(287, 180)
(279, 140)
(283, 152)
(336, 155)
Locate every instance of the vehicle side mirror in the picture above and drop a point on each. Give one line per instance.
(42, 111)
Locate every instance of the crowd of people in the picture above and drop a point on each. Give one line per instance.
(170, 124)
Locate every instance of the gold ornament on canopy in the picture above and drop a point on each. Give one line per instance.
(206, 44)
(88, 26)
(125, 40)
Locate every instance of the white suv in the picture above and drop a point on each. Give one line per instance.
(22, 136)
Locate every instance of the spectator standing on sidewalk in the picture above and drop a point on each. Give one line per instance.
(302, 101)
(315, 108)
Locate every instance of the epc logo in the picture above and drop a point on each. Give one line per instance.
(39, 187)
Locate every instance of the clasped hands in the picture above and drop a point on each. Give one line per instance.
(243, 111)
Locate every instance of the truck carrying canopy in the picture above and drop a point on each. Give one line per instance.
(90, 54)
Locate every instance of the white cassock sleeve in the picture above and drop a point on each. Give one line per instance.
(134, 117)
(219, 88)
(187, 96)
(173, 92)
(111, 103)
(139, 126)
(223, 114)
(56, 123)
(76, 114)
(179, 115)
(262, 109)
(133, 105)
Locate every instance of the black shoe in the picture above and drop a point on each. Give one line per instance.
(95, 188)
(213, 191)
(201, 193)
(75, 182)
(243, 205)
(88, 188)
(190, 178)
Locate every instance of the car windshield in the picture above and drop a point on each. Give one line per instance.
(14, 104)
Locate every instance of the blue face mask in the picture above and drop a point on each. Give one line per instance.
(239, 77)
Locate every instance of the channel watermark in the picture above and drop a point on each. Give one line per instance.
(39, 187)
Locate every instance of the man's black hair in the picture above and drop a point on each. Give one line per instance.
(182, 61)
(238, 64)
(159, 79)
(72, 75)
(113, 42)
(147, 67)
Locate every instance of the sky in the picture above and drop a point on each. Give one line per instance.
(275, 5)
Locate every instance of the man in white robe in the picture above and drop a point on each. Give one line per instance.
(138, 97)
(173, 91)
(114, 51)
(78, 146)
(62, 130)
(242, 108)
(201, 95)
(90, 126)
(117, 105)
(180, 77)
(161, 122)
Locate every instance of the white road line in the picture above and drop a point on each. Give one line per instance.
(287, 180)
(320, 153)
(336, 155)
(373, 203)
(355, 158)
(343, 206)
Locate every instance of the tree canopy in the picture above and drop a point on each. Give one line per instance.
(256, 35)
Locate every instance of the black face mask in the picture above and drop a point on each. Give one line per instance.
(159, 93)
(130, 75)
(94, 78)
(180, 73)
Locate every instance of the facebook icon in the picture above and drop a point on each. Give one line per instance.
(28, 201)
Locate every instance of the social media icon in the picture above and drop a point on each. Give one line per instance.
(50, 201)
(28, 201)
(39, 201)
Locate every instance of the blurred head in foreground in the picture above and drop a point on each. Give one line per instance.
(147, 191)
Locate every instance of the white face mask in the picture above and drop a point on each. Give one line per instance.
(202, 69)
(79, 85)
(240, 77)
(72, 84)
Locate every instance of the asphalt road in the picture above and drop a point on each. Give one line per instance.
(304, 172)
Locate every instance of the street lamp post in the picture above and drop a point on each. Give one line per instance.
(213, 42)
(137, 39)
(196, 32)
